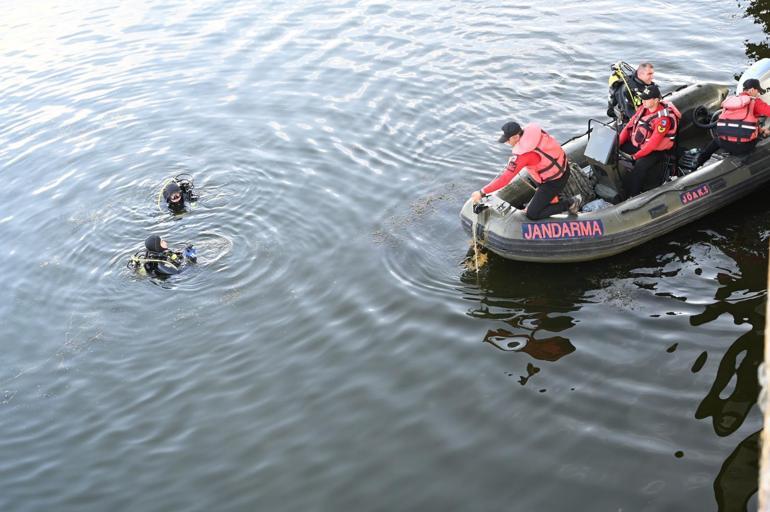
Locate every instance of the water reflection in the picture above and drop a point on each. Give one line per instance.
(534, 316)
(539, 308)
(760, 11)
(737, 480)
(736, 378)
(743, 297)
(539, 304)
(735, 389)
(547, 349)
(550, 349)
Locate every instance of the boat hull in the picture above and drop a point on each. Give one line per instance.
(618, 228)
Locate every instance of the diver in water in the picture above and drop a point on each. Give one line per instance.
(159, 260)
(178, 193)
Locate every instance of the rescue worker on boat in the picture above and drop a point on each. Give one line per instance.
(647, 139)
(159, 260)
(738, 126)
(624, 95)
(545, 162)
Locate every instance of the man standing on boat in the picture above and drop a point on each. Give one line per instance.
(546, 163)
(625, 89)
(737, 130)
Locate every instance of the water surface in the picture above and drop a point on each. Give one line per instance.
(329, 351)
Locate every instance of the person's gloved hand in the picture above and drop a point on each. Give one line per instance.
(190, 253)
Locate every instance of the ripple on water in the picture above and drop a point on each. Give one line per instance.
(419, 244)
(329, 315)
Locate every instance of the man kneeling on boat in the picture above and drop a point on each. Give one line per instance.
(737, 130)
(546, 163)
(647, 139)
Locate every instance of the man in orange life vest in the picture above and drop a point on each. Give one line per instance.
(546, 163)
(647, 138)
(737, 130)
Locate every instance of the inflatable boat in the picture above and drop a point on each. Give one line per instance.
(499, 224)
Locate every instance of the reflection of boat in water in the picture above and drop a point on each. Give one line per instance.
(503, 228)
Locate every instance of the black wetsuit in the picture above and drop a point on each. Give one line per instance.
(163, 263)
(620, 100)
(184, 189)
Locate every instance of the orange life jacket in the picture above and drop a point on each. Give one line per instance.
(553, 160)
(737, 122)
(642, 126)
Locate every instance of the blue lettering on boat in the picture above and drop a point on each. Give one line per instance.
(694, 194)
(558, 230)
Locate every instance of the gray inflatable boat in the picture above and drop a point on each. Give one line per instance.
(499, 224)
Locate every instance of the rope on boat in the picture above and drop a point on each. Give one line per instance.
(476, 239)
(579, 183)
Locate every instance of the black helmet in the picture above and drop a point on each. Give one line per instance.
(153, 243)
(171, 189)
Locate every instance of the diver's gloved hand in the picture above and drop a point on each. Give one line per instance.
(190, 253)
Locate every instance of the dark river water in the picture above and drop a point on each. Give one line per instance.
(329, 351)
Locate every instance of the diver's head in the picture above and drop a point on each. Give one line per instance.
(154, 243)
(173, 194)
(645, 72)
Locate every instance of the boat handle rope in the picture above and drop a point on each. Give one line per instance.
(635, 100)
